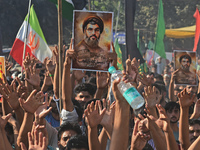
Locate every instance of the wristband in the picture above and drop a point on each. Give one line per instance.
(51, 75)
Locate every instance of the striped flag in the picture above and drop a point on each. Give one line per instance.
(36, 44)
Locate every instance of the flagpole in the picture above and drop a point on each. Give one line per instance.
(26, 33)
(117, 17)
(60, 46)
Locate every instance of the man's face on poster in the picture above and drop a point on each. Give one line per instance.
(185, 64)
(92, 35)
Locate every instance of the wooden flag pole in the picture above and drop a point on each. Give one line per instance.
(60, 50)
(26, 34)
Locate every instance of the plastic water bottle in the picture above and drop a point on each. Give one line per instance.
(129, 92)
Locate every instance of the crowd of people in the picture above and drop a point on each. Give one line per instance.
(92, 114)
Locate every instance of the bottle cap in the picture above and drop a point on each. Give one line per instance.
(111, 69)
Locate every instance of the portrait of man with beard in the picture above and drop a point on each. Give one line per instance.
(89, 53)
(186, 73)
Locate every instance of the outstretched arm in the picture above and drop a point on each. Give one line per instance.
(66, 83)
(185, 101)
(121, 121)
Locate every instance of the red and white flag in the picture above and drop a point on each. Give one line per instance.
(36, 44)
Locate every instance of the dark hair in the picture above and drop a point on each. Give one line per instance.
(193, 122)
(78, 108)
(160, 86)
(185, 56)
(172, 105)
(93, 20)
(159, 77)
(68, 126)
(78, 141)
(92, 100)
(88, 87)
(91, 80)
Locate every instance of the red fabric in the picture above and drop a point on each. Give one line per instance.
(197, 32)
(17, 51)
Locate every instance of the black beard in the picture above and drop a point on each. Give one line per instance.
(92, 43)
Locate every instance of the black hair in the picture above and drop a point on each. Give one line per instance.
(171, 106)
(91, 89)
(185, 56)
(78, 108)
(92, 80)
(159, 86)
(78, 142)
(68, 126)
(92, 100)
(159, 77)
(94, 20)
(193, 122)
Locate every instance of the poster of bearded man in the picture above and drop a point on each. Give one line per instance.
(92, 33)
(185, 67)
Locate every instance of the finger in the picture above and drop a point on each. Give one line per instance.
(92, 107)
(135, 130)
(4, 79)
(30, 140)
(45, 113)
(36, 137)
(19, 81)
(112, 46)
(104, 102)
(23, 147)
(115, 83)
(70, 46)
(46, 99)
(40, 139)
(44, 143)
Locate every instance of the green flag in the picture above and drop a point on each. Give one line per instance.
(159, 44)
(119, 55)
(138, 40)
(67, 8)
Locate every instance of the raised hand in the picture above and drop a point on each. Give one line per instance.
(27, 61)
(163, 122)
(32, 102)
(50, 66)
(150, 97)
(36, 143)
(138, 140)
(21, 89)
(70, 54)
(102, 80)
(196, 112)
(144, 79)
(34, 77)
(185, 99)
(42, 110)
(108, 118)
(4, 120)
(56, 55)
(94, 114)
(79, 74)
(47, 80)
(131, 69)
(112, 56)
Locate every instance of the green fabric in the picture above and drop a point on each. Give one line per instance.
(159, 44)
(34, 23)
(138, 41)
(67, 9)
(119, 55)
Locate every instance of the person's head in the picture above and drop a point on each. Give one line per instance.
(194, 130)
(159, 59)
(84, 92)
(158, 77)
(160, 92)
(173, 111)
(92, 29)
(78, 142)
(185, 61)
(166, 79)
(65, 132)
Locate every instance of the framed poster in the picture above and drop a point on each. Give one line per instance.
(92, 34)
(185, 67)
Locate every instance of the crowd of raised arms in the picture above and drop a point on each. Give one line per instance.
(94, 115)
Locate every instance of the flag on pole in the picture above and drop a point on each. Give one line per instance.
(197, 32)
(36, 44)
(68, 6)
(159, 44)
(119, 55)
